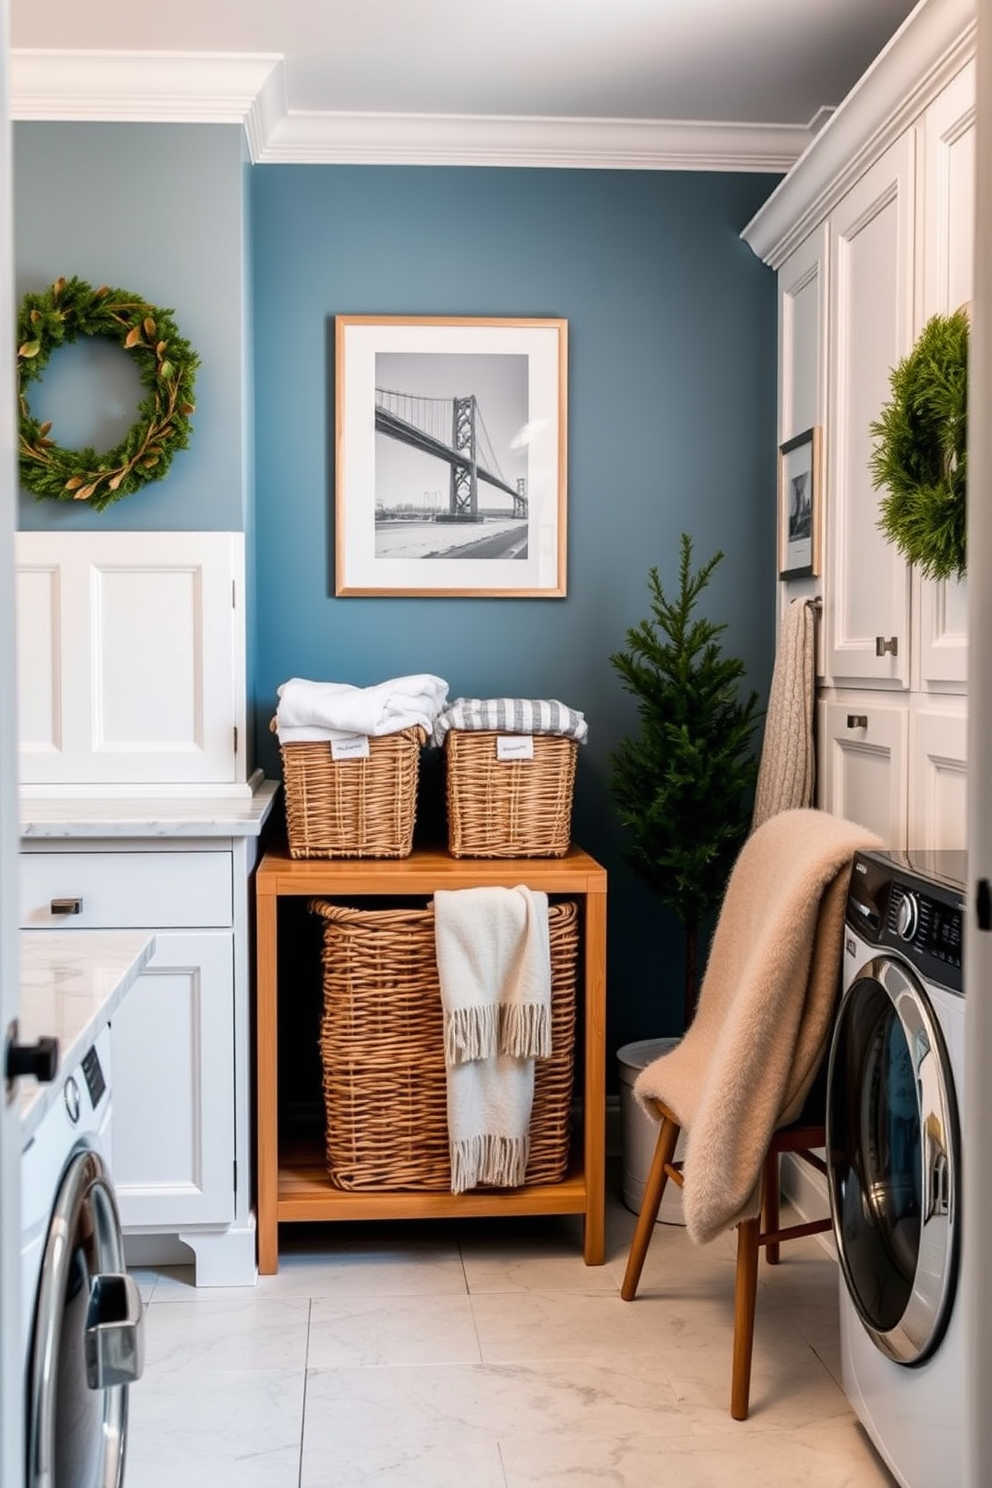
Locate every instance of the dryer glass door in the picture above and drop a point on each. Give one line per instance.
(86, 1344)
(893, 1154)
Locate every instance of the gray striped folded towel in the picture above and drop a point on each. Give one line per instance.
(512, 716)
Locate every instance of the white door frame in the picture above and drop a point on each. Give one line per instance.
(11, 1362)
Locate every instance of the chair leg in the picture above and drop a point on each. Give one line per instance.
(745, 1295)
(654, 1189)
(770, 1218)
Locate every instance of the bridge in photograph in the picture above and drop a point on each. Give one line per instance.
(452, 430)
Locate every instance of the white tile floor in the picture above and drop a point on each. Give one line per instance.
(486, 1355)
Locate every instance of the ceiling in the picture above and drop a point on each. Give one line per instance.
(410, 69)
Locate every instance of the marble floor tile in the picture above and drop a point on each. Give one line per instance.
(393, 1464)
(515, 1327)
(216, 1430)
(201, 1338)
(838, 1459)
(379, 1263)
(488, 1354)
(372, 1331)
(417, 1406)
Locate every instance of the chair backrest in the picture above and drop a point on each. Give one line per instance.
(765, 1009)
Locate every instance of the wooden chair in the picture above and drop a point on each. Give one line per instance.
(764, 1230)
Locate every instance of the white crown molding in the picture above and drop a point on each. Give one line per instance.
(185, 87)
(933, 43)
(156, 87)
(473, 139)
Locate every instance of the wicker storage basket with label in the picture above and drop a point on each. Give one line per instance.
(352, 807)
(382, 1050)
(508, 808)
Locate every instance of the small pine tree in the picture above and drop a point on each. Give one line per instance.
(684, 787)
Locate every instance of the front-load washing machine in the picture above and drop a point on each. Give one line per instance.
(894, 1106)
(81, 1312)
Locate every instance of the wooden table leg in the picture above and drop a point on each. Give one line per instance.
(594, 1235)
(267, 1155)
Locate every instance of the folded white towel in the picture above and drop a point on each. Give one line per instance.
(512, 716)
(494, 966)
(338, 707)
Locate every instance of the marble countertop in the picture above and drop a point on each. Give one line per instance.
(148, 816)
(71, 983)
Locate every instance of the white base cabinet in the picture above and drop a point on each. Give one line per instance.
(897, 766)
(181, 1129)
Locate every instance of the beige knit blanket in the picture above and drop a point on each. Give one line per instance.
(785, 776)
(765, 1014)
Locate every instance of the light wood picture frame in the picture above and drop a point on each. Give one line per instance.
(450, 456)
(800, 500)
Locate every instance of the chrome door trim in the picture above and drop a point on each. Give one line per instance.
(921, 1326)
(85, 1183)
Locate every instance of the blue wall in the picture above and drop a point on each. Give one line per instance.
(161, 210)
(671, 413)
(672, 388)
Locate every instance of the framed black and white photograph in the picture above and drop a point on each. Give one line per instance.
(799, 500)
(450, 440)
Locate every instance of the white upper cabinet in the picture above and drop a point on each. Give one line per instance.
(870, 330)
(131, 670)
(948, 274)
(871, 235)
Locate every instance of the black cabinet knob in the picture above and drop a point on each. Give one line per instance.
(40, 1059)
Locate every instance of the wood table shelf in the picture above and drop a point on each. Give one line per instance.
(292, 1181)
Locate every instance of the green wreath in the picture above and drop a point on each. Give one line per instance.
(166, 365)
(921, 457)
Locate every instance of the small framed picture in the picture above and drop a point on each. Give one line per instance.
(799, 501)
(450, 468)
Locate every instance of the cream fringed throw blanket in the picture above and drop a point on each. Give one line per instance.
(494, 966)
(750, 1055)
(785, 778)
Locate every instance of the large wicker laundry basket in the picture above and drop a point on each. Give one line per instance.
(508, 808)
(381, 1044)
(352, 808)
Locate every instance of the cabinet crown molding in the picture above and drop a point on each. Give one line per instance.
(934, 42)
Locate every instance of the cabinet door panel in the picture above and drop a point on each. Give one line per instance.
(948, 229)
(173, 1097)
(938, 749)
(871, 273)
(131, 659)
(863, 757)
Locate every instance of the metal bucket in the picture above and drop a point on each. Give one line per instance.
(639, 1134)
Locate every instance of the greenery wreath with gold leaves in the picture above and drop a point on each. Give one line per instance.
(166, 364)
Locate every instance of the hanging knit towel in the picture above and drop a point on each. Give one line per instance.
(785, 776)
(494, 967)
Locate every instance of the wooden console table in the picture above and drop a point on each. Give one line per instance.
(294, 1185)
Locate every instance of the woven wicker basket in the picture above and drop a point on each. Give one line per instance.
(352, 808)
(508, 808)
(382, 1047)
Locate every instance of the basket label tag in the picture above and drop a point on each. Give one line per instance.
(515, 747)
(351, 746)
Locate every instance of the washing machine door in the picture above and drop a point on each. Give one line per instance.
(86, 1342)
(893, 1155)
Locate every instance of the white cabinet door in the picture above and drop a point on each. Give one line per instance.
(938, 749)
(871, 322)
(131, 661)
(863, 750)
(173, 1098)
(948, 233)
(802, 329)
